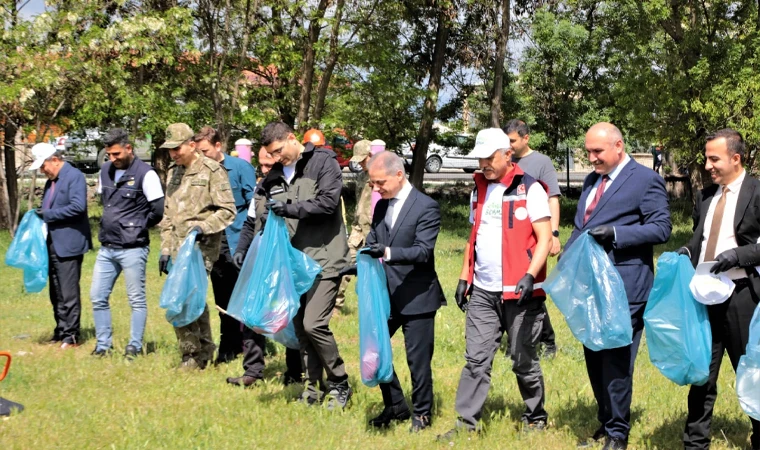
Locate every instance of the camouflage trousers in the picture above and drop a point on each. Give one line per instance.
(195, 340)
(355, 243)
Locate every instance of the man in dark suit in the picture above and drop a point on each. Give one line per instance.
(404, 229)
(64, 211)
(726, 230)
(624, 205)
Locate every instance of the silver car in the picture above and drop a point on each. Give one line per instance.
(441, 157)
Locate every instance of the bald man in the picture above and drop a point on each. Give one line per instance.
(624, 206)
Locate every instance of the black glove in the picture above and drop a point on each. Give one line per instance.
(604, 234)
(348, 270)
(526, 286)
(163, 265)
(726, 260)
(375, 250)
(38, 211)
(237, 259)
(461, 295)
(683, 251)
(278, 208)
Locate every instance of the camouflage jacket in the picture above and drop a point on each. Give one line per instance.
(362, 215)
(197, 195)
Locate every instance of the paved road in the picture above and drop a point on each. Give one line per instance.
(456, 175)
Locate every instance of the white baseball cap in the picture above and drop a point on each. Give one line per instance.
(488, 141)
(41, 152)
(709, 288)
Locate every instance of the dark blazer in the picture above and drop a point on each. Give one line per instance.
(66, 217)
(636, 204)
(412, 281)
(746, 225)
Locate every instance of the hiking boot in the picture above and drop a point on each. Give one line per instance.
(191, 364)
(450, 435)
(530, 427)
(398, 413)
(339, 395)
(419, 423)
(101, 352)
(308, 398)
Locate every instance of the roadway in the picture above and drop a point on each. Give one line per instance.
(446, 176)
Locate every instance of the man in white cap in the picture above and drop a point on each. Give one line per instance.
(64, 211)
(502, 272)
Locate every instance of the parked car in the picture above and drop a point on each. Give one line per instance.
(446, 157)
(85, 150)
(343, 147)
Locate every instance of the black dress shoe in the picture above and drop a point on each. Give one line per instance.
(399, 413)
(419, 423)
(615, 444)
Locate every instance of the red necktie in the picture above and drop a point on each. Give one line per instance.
(49, 198)
(597, 197)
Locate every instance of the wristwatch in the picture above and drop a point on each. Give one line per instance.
(555, 233)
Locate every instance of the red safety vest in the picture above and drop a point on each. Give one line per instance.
(518, 241)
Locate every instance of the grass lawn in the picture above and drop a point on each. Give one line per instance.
(75, 401)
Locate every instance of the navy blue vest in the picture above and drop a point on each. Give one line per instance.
(125, 208)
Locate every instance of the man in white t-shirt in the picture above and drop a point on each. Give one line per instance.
(133, 201)
(502, 273)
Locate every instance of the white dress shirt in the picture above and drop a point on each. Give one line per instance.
(726, 236)
(612, 175)
(401, 197)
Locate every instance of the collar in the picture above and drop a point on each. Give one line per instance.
(612, 175)
(404, 192)
(735, 185)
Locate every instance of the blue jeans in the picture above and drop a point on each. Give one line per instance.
(108, 265)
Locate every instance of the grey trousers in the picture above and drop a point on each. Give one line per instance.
(488, 317)
(319, 351)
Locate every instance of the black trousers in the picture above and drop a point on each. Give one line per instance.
(224, 275)
(547, 330)
(419, 340)
(611, 375)
(729, 322)
(64, 274)
(253, 357)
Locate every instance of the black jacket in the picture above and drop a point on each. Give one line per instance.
(412, 281)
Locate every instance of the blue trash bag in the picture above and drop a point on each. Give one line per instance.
(28, 251)
(268, 291)
(286, 336)
(748, 372)
(589, 292)
(376, 355)
(678, 329)
(184, 293)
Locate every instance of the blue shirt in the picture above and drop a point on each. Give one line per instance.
(242, 177)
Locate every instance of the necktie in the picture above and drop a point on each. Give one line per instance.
(712, 239)
(49, 198)
(597, 197)
(389, 213)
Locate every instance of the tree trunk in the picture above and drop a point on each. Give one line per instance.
(10, 182)
(501, 54)
(429, 109)
(5, 207)
(332, 59)
(307, 71)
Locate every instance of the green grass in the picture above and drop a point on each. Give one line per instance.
(75, 401)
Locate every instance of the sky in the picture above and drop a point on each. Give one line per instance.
(33, 8)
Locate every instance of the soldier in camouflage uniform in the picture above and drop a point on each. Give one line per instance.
(362, 214)
(198, 198)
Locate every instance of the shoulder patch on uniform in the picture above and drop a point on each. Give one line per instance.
(211, 164)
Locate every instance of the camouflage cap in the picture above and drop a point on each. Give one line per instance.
(176, 134)
(361, 151)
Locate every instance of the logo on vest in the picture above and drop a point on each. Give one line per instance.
(521, 213)
(521, 190)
